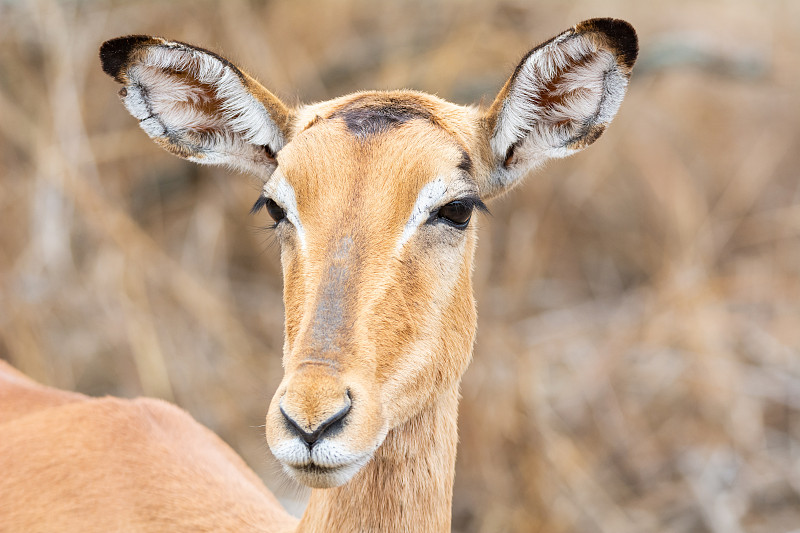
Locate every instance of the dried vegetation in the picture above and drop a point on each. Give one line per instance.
(637, 368)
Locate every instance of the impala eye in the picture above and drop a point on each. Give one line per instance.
(456, 213)
(275, 211)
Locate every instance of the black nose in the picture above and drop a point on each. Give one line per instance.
(311, 437)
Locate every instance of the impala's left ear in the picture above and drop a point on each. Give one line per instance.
(196, 104)
(559, 99)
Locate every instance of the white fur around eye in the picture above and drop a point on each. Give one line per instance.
(429, 196)
(432, 195)
(282, 192)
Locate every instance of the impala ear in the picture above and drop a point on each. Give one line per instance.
(559, 99)
(196, 104)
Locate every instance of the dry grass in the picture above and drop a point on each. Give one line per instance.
(637, 365)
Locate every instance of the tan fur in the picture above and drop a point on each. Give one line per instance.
(380, 315)
(73, 463)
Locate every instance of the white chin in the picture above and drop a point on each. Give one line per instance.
(318, 477)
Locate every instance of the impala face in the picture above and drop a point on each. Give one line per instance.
(373, 198)
(376, 258)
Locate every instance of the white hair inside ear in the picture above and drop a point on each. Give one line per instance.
(238, 109)
(559, 100)
(196, 104)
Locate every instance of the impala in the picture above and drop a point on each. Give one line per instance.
(372, 197)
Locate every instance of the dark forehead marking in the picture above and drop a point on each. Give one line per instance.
(466, 162)
(371, 115)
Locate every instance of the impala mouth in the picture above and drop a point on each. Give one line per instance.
(323, 477)
(314, 469)
(327, 464)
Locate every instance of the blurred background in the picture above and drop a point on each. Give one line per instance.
(637, 363)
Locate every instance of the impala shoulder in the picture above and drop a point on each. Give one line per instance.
(150, 423)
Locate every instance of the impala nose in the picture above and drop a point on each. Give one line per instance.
(311, 433)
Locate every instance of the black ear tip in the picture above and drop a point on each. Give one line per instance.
(620, 34)
(114, 53)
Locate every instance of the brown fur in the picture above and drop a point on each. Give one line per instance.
(380, 323)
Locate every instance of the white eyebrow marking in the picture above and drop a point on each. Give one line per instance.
(282, 192)
(431, 195)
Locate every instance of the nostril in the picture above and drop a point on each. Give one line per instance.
(311, 437)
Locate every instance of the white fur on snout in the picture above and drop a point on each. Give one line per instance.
(332, 454)
(292, 452)
(326, 453)
(339, 462)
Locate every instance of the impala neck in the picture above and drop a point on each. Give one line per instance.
(407, 486)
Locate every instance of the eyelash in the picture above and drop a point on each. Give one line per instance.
(469, 203)
(277, 213)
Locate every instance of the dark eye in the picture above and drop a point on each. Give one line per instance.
(456, 213)
(275, 211)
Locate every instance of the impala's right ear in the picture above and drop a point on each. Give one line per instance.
(196, 104)
(559, 99)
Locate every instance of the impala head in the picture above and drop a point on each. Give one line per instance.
(373, 198)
